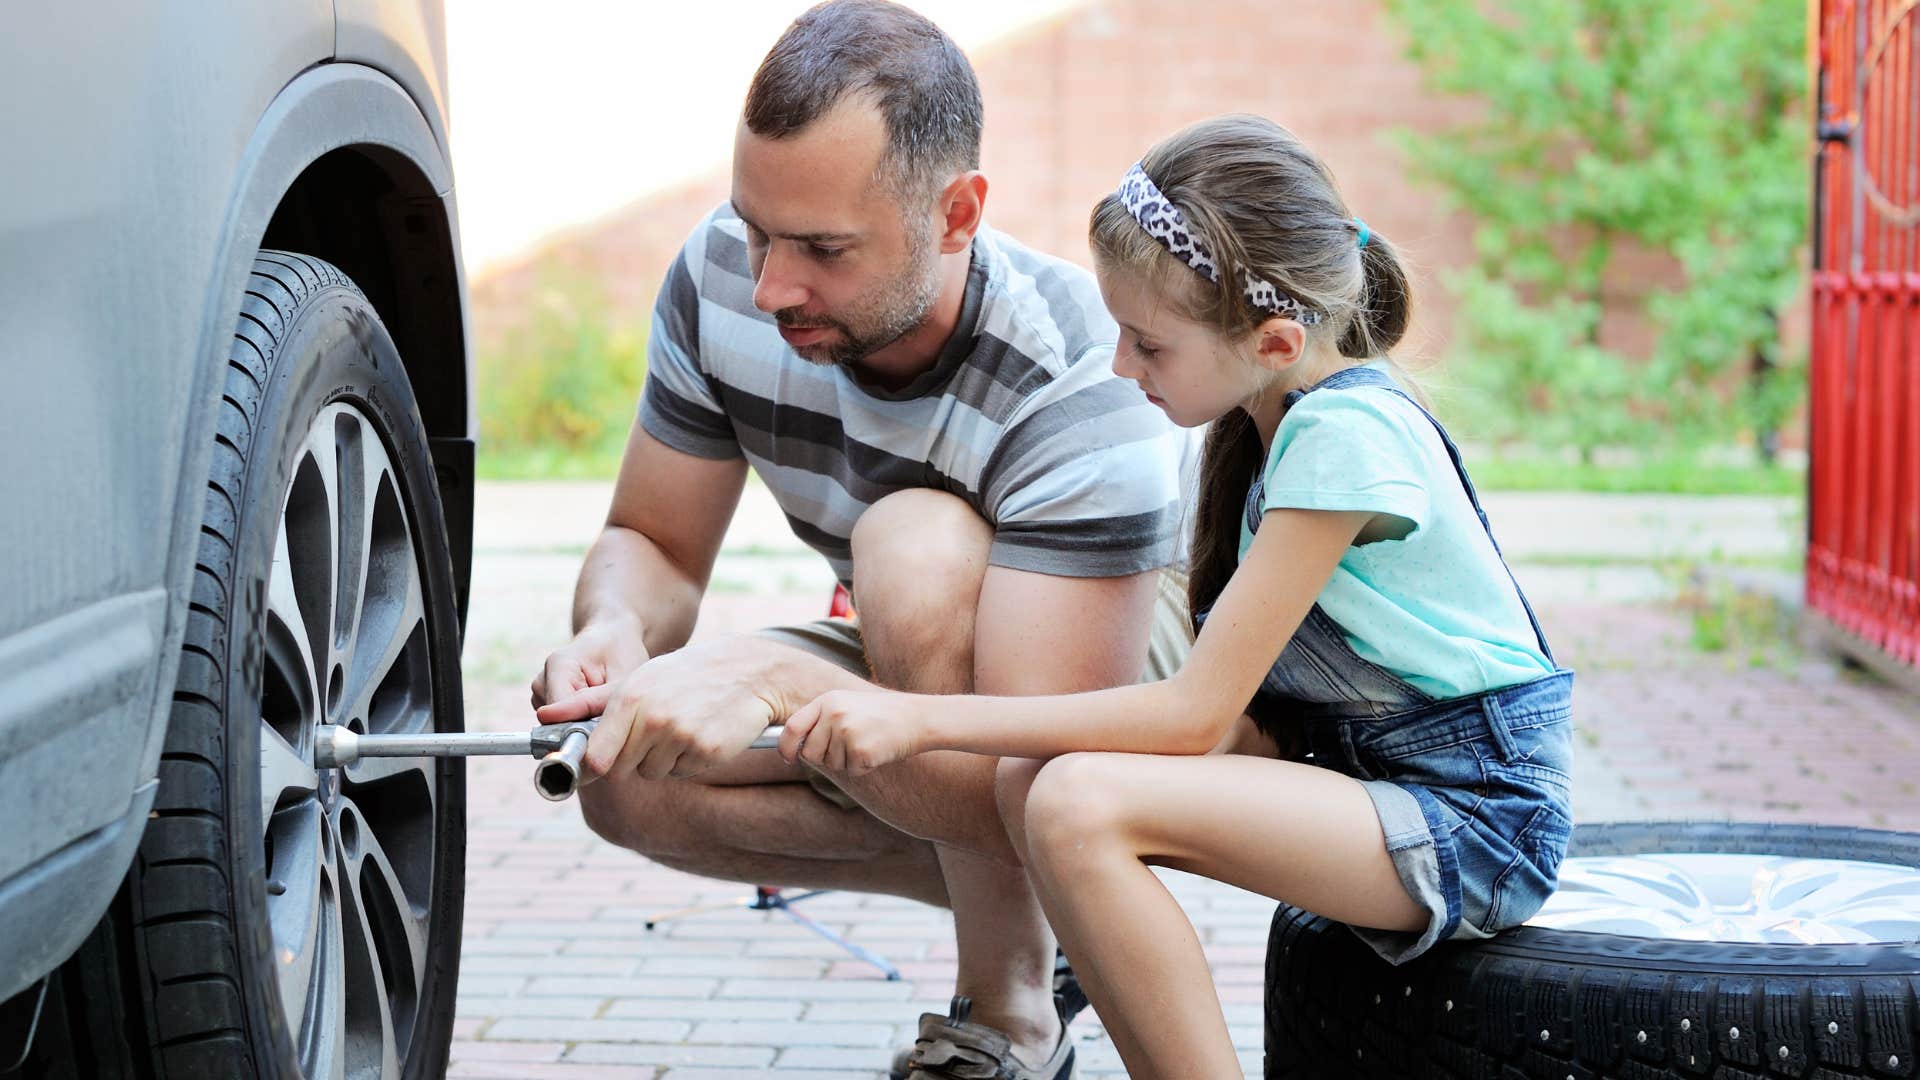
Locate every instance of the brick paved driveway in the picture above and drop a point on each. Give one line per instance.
(560, 978)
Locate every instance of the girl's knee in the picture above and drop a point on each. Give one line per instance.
(1074, 803)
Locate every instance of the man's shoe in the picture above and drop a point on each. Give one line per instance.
(951, 1048)
(1068, 997)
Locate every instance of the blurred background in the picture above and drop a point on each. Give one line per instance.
(1607, 200)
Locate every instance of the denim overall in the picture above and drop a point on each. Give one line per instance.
(1472, 792)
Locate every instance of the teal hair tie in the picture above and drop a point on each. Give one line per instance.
(1365, 233)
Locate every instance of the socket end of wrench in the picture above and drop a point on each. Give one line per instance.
(334, 746)
(558, 774)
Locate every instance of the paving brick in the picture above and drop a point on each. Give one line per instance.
(803, 990)
(473, 1050)
(723, 967)
(843, 1059)
(713, 1009)
(492, 985)
(595, 986)
(570, 1008)
(522, 1070)
(697, 1073)
(790, 1033)
(672, 1054)
(547, 964)
(533, 1030)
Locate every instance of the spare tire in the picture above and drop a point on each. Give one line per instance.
(1671, 950)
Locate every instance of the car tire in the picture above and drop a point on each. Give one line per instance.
(1557, 1003)
(283, 921)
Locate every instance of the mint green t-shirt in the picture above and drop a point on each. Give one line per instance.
(1435, 608)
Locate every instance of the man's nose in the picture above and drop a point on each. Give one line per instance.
(778, 286)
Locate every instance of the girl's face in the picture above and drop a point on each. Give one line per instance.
(1184, 367)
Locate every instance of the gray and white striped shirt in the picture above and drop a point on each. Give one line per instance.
(1021, 416)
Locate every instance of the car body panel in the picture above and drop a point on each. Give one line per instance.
(151, 173)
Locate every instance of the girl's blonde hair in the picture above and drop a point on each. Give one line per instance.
(1261, 202)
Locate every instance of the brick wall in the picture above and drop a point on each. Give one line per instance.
(1071, 102)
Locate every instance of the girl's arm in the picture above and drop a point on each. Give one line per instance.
(1276, 585)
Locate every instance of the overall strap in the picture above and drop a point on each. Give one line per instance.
(1362, 375)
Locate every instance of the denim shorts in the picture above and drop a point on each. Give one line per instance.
(1472, 795)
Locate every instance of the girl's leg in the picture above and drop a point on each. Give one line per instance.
(1093, 825)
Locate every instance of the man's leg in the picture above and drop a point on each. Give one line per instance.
(919, 558)
(761, 824)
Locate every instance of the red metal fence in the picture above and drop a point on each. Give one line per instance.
(1863, 538)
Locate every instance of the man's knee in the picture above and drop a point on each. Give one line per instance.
(916, 548)
(1012, 779)
(636, 814)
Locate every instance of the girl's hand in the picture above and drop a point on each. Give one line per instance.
(854, 731)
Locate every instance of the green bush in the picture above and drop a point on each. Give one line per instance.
(559, 390)
(1675, 128)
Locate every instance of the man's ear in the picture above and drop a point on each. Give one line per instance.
(962, 205)
(1279, 343)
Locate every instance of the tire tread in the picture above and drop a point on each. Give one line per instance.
(1322, 983)
(183, 923)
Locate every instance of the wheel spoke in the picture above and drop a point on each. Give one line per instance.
(296, 907)
(351, 447)
(330, 996)
(392, 689)
(381, 953)
(283, 769)
(389, 683)
(374, 869)
(376, 770)
(288, 638)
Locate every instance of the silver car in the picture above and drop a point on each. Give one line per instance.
(237, 486)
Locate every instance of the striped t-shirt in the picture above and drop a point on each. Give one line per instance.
(1021, 416)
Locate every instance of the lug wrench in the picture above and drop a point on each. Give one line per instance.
(560, 747)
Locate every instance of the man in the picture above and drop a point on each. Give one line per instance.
(933, 407)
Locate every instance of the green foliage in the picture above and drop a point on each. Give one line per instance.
(1670, 474)
(1675, 128)
(558, 393)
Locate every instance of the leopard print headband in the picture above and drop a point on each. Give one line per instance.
(1164, 222)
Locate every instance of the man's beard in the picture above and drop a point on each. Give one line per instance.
(880, 323)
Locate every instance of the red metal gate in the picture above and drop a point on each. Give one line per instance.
(1863, 538)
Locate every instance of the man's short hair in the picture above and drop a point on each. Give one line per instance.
(916, 76)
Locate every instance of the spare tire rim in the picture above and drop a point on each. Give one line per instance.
(1753, 899)
(349, 852)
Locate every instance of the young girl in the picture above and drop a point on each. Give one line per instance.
(1336, 531)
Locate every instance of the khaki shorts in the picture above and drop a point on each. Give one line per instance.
(837, 641)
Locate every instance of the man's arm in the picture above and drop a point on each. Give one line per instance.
(653, 560)
(641, 583)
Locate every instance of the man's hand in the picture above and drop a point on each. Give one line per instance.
(676, 715)
(855, 731)
(600, 654)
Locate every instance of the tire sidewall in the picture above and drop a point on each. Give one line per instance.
(337, 351)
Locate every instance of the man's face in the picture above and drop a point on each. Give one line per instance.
(837, 260)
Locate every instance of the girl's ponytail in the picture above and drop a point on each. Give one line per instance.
(1384, 307)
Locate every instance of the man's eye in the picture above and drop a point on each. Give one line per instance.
(825, 254)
